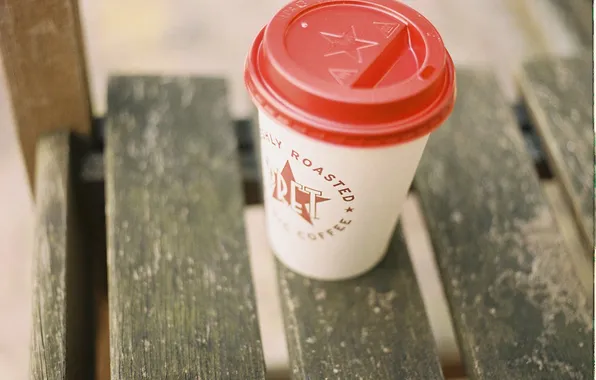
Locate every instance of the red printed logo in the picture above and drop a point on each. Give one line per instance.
(319, 200)
(302, 199)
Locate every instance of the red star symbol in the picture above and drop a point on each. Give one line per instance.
(347, 43)
(349, 209)
(302, 197)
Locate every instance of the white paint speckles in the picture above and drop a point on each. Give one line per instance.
(551, 281)
(575, 115)
(209, 276)
(320, 294)
(151, 131)
(477, 299)
(363, 334)
(138, 90)
(437, 176)
(43, 249)
(188, 93)
(184, 214)
(179, 284)
(547, 365)
(156, 255)
(457, 217)
(570, 146)
(382, 300)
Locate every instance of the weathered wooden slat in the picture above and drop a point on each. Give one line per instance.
(569, 231)
(519, 310)
(371, 327)
(42, 51)
(62, 312)
(180, 292)
(559, 94)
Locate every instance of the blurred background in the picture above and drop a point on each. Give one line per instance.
(212, 37)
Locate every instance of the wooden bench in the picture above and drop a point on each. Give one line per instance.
(560, 101)
(144, 231)
(181, 298)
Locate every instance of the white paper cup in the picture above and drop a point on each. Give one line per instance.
(340, 147)
(331, 210)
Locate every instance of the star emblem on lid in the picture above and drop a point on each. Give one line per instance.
(347, 43)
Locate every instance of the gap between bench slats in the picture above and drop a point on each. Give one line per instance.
(92, 176)
(62, 332)
(180, 291)
(519, 310)
(559, 94)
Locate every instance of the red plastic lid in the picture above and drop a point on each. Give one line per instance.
(358, 73)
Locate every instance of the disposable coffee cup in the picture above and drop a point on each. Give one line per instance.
(348, 93)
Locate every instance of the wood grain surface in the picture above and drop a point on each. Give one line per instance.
(371, 327)
(557, 199)
(579, 16)
(43, 55)
(559, 93)
(180, 290)
(519, 309)
(62, 315)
